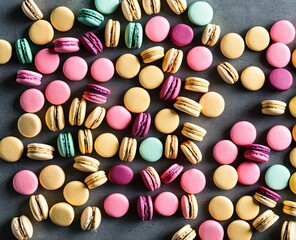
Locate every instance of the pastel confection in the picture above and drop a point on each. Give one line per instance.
(197, 84)
(243, 133)
(96, 93)
(136, 100)
(29, 125)
(29, 78)
(54, 118)
(172, 60)
(57, 92)
(133, 35)
(86, 164)
(225, 177)
(127, 66)
(292, 157)
(280, 79)
(193, 181)
(96, 179)
(294, 132)
(118, 117)
(151, 149)
(171, 147)
(240, 230)
(90, 17)
(199, 58)
(90, 218)
(62, 214)
(32, 100)
(225, 152)
(292, 183)
(200, 13)
(106, 7)
(116, 205)
(106, 145)
(39, 207)
(75, 68)
(95, 118)
(266, 196)
(31, 10)
(62, 19)
(248, 173)
(257, 38)
(171, 173)
(181, 35)
(221, 208)
(66, 145)
(41, 32)
(282, 31)
(47, 61)
(232, 45)
(151, 77)
(145, 208)
(274, 51)
(141, 124)
(6, 51)
(52, 177)
(265, 220)
(25, 182)
(152, 54)
(188, 106)
(66, 45)
(151, 6)
(212, 103)
(288, 230)
(227, 72)
(292, 105)
(277, 177)
(76, 193)
(23, 51)
(157, 28)
(102, 69)
(85, 141)
(166, 121)
(289, 208)
(128, 149)
(185, 232)
(91, 43)
(211, 34)
(131, 10)
(211, 229)
(77, 111)
(273, 107)
(22, 227)
(279, 137)
(189, 206)
(112, 33)
(247, 208)
(293, 58)
(257, 152)
(252, 78)
(11, 149)
(150, 178)
(120, 174)
(166, 204)
(170, 88)
(178, 6)
(40, 151)
(191, 151)
(193, 131)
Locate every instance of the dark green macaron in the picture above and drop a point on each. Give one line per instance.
(90, 17)
(66, 145)
(133, 35)
(23, 51)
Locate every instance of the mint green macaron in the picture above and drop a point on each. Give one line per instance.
(277, 177)
(90, 17)
(23, 51)
(106, 6)
(151, 149)
(65, 145)
(200, 13)
(133, 35)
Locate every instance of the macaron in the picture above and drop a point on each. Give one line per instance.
(171, 173)
(96, 93)
(40, 151)
(29, 78)
(112, 33)
(6, 49)
(265, 220)
(166, 204)
(41, 32)
(181, 35)
(193, 181)
(221, 208)
(188, 106)
(213, 104)
(62, 18)
(225, 151)
(257, 152)
(127, 66)
(52, 177)
(120, 174)
(273, 107)
(197, 84)
(166, 121)
(177, 6)
(185, 233)
(141, 124)
(118, 117)
(62, 214)
(75, 68)
(289, 207)
(32, 100)
(277, 177)
(25, 182)
(247, 208)
(157, 28)
(86, 164)
(279, 137)
(280, 79)
(95, 118)
(136, 99)
(152, 54)
(248, 173)
(200, 13)
(257, 38)
(191, 151)
(170, 88)
(151, 6)
(76, 193)
(151, 149)
(172, 60)
(54, 118)
(77, 111)
(29, 125)
(150, 178)
(31, 10)
(11, 149)
(211, 34)
(116, 205)
(47, 61)
(193, 131)
(225, 177)
(85, 141)
(21, 227)
(133, 34)
(151, 77)
(90, 218)
(91, 43)
(96, 179)
(107, 7)
(57, 92)
(252, 78)
(128, 149)
(199, 58)
(266, 196)
(274, 51)
(23, 51)
(145, 207)
(210, 228)
(66, 145)
(292, 183)
(106, 145)
(189, 206)
(171, 147)
(227, 72)
(239, 229)
(90, 17)
(39, 207)
(131, 10)
(66, 45)
(232, 45)
(288, 230)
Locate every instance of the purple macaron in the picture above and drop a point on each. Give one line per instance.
(181, 35)
(145, 208)
(170, 88)
(266, 196)
(92, 43)
(171, 173)
(96, 93)
(120, 174)
(150, 178)
(257, 152)
(141, 124)
(280, 79)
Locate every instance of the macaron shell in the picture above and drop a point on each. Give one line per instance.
(25, 182)
(211, 229)
(11, 149)
(52, 177)
(29, 125)
(239, 230)
(232, 45)
(221, 208)
(62, 214)
(41, 32)
(6, 51)
(47, 61)
(116, 205)
(62, 18)
(32, 100)
(193, 181)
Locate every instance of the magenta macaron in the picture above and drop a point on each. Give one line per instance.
(150, 178)
(145, 208)
(91, 43)
(66, 45)
(29, 78)
(280, 79)
(257, 152)
(96, 93)
(141, 124)
(170, 88)
(181, 35)
(171, 173)
(120, 174)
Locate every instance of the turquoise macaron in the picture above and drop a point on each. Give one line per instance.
(151, 149)
(90, 17)
(107, 7)
(23, 51)
(277, 177)
(200, 13)
(66, 145)
(133, 35)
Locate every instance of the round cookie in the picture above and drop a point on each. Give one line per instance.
(151, 149)
(282, 31)
(292, 183)
(76, 193)
(52, 177)
(157, 28)
(62, 18)
(11, 149)
(25, 182)
(292, 157)
(221, 208)
(136, 100)
(127, 66)
(106, 7)
(116, 205)
(225, 177)
(225, 152)
(151, 77)
(248, 173)
(239, 230)
(29, 125)
(278, 55)
(213, 104)
(6, 51)
(279, 137)
(257, 38)
(166, 121)
(106, 145)
(232, 45)
(247, 208)
(277, 177)
(41, 32)
(62, 214)
(252, 78)
(200, 13)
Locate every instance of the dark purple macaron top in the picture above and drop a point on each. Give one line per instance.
(97, 89)
(145, 208)
(141, 124)
(257, 147)
(280, 79)
(171, 173)
(170, 88)
(120, 174)
(268, 193)
(92, 43)
(181, 35)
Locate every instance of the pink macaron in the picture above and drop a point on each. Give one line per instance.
(248, 173)
(96, 93)
(171, 173)
(32, 100)
(170, 88)
(118, 117)
(145, 208)
(193, 181)
(66, 45)
(225, 152)
(25, 182)
(166, 204)
(120, 174)
(243, 133)
(29, 78)
(75, 68)
(57, 92)
(210, 230)
(116, 205)
(157, 28)
(279, 137)
(278, 55)
(47, 61)
(102, 69)
(199, 58)
(282, 31)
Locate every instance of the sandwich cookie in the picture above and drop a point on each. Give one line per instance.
(96, 93)
(54, 118)
(157, 28)
(91, 43)
(273, 107)
(170, 88)
(40, 151)
(23, 51)
(22, 227)
(41, 32)
(166, 204)
(266, 196)
(47, 61)
(62, 19)
(75, 68)
(6, 51)
(151, 6)
(95, 118)
(133, 35)
(150, 178)
(289, 208)
(171, 173)
(185, 233)
(57, 92)
(211, 34)
(11, 149)
(76, 193)
(177, 6)
(136, 100)
(188, 106)
(257, 152)
(225, 152)
(145, 208)
(66, 45)
(39, 207)
(191, 151)
(166, 121)
(62, 214)
(29, 78)
(128, 149)
(288, 231)
(280, 79)
(210, 228)
(66, 145)
(252, 78)
(232, 45)
(77, 111)
(277, 176)
(172, 60)
(151, 77)
(85, 141)
(265, 220)
(90, 218)
(171, 147)
(112, 33)
(227, 72)
(86, 164)
(116, 205)
(257, 38)
(90, 17)
(52, 177)
(152, 54)
(31, 10)
(25, 182)
(141, 124)
(189, 206)
(193, 181)
(193, 131)
(197, 84)
(95, 179)
(102, 70)
(131, 10)
(120, 174)
(181, 35)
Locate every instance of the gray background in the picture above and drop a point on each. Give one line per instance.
(241, 104)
